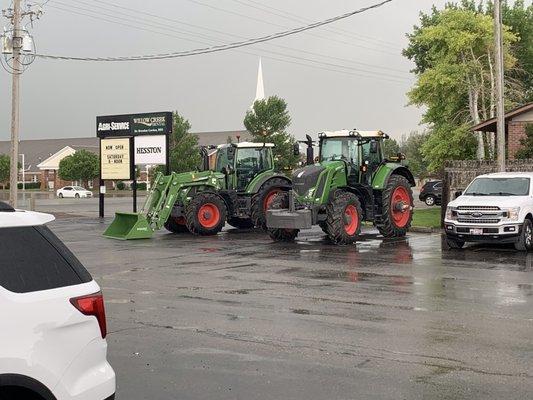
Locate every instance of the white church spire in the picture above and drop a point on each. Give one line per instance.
(260, 90)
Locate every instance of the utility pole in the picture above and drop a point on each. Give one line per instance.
(500, 110)
(17, 70)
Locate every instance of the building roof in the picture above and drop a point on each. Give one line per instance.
(248, 145)
(37, 151)
(489, 125)
(216, 138)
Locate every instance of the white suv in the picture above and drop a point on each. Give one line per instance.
(52, 318)
(493, 208)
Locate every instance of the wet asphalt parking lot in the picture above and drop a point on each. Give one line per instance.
(236, 316)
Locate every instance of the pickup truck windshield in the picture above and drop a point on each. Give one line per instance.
(498, 187)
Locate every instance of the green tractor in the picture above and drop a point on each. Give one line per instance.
(238, 192)
(351, 182)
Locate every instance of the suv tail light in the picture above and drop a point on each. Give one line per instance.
(92, 304)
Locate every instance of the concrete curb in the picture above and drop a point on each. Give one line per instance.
(422, 229)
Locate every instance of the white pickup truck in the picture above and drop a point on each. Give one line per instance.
(493, 208)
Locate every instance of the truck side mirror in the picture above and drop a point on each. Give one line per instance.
(458, 193)
(296, 149)
(373, 146)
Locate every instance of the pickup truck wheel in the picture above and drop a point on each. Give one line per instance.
(430, 200)
(525, 241)
(343, 222)
(454, 243)
(205, 214)
(176, 225)
(281, 201)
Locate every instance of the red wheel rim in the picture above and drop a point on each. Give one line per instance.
(351, 219)
(269, 197)
(401, 206)
(180, 220)
(208, 215)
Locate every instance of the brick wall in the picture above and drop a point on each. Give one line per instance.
(516, 131)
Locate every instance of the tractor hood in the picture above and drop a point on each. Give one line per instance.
(185, 177)
(306, 178)
(310, 183)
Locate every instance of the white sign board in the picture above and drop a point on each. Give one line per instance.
(150, 150)
(115, 158)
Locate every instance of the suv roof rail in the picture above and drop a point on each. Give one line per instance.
(4, 207)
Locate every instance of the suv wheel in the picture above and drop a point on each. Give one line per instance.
(525, 242)
(430, 200)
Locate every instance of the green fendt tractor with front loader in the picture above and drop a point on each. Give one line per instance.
(238, 191)
(352, 182)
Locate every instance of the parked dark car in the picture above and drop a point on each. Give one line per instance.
(431, 193)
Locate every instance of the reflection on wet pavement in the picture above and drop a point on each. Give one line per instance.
(383, 319)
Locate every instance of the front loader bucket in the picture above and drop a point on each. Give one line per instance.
(127, 226)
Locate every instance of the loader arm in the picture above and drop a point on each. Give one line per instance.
(161, 199)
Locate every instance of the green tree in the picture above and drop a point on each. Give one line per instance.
(267, 122)
(526, 151)
(80, 166)
(4, 169)
(412, 146)
(453, 53)
(390, 147)
(184, 151)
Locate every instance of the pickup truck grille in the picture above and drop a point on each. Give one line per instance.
(478, 208)
(478, 220)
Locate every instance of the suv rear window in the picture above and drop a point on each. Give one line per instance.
(33, 259)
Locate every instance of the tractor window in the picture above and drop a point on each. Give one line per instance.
(340, 149)
(374, 159)
(251, 162)
(222, 159)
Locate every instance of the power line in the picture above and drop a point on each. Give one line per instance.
(215, 39)
(219, 48)
(294, 17)
(373, 74)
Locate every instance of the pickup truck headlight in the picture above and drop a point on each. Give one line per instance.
(512, 213)
(451, 213)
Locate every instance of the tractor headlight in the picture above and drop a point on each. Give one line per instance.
(511, 214)
(451, 213)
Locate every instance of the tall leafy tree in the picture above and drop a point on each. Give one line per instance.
(80, 166)
(412, 146)
(390, 147)
(184, 152)
(267, 122)
(453, 52)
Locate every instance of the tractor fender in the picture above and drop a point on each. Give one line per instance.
(260, 180)
(385, 171)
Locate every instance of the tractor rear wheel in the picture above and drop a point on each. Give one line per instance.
(241, 223)
(343, 218)
(176, 225)
(205, 214)
(281, 201)
(397, 213)
(264, 198)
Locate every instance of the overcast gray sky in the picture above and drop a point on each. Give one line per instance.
(347, 75)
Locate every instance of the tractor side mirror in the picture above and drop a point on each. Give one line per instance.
(296, 149)
(400, 156)
(231, 153)
(373, 147)
(228, 170)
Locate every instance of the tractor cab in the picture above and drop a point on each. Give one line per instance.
(242, 162)
(362, 151)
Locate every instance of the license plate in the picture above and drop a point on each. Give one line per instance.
(476, 231)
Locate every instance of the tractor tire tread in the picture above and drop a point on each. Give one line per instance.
(387, 227)
(257, 211)
(191, 213)
(334, 224)
(281, 201)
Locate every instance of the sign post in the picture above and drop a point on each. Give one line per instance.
(129, 140)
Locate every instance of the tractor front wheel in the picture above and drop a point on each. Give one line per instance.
(264, 197)
(205, 214)
(343, 219)
(176, 225)
(281, 201)
(397, 212)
